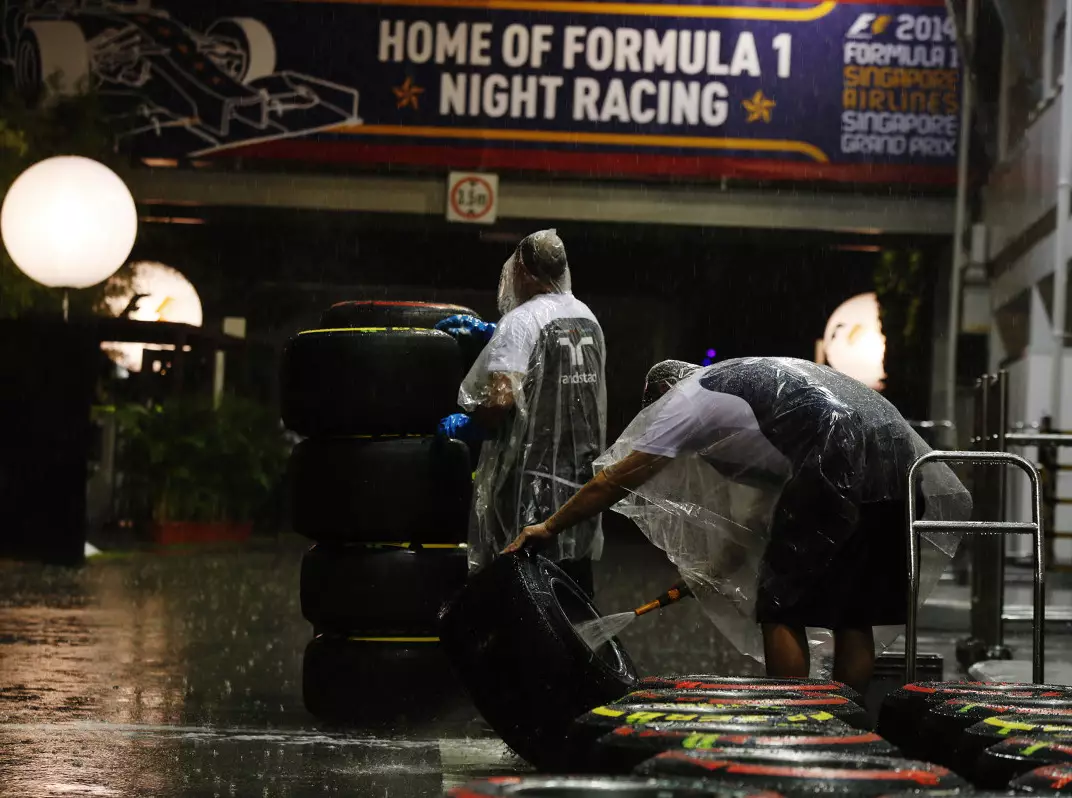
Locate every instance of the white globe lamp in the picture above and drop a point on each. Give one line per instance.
(853, 342)
(162, 294)
(68, 222)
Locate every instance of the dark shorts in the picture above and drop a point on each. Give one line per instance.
(864, 583)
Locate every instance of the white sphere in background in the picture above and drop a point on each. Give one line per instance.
(853, 342)
(68, 222)
(163, 294)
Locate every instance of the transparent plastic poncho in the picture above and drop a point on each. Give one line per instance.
(551, 350)
(710, 509)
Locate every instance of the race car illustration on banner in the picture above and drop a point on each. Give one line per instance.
(158, 78)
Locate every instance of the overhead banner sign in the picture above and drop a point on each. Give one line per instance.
(764, 89)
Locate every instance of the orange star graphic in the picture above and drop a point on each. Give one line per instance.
(407, 94)
(758, 107)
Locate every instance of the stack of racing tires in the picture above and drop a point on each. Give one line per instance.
(693, 736)
(583, 717)
(386, 502)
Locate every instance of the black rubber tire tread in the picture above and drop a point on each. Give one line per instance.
(391, 490)
(596, 787)
(1000, 764)
(954, 793)
(941, 731)
(904, 708)
(513, 644)
(380, 590)
(1046, 780)
(740, 701)
(793, 773)
(709, 682)
(598, 722)
(980, 739)
(380, 313)
(625, 748)
(381, 682)
(369, 382)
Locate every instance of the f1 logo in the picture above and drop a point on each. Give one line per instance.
(576, 352)
(868, 25)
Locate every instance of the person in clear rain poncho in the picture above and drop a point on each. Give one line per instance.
(778, 488)
(537, 396)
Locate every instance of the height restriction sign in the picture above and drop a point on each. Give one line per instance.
(472, 197)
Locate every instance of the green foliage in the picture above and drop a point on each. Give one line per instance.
(71, 126)
(902, 284)
(186, 461)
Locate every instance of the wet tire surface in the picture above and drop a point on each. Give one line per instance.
(793, 773)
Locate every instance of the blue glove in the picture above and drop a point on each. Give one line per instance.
(467, 325)
(460, 427)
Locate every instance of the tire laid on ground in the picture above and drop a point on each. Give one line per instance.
(391, 490)
(586, 731)
(904, 708)
(1048, 780)
(981, 762)
(796, 773)
(370, 681)
(742, 701)
(510, 636)
(942, 729)
(706, 682)
(369, 382)
(385, 313)
(594, 787)
(1000, 764)
(954, 792)
(625, 748)
(380, 590)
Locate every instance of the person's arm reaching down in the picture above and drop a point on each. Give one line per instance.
(602, 492)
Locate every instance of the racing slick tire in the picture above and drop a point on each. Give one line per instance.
(751, 683)
(390, 490)
(381, 590)
(369, 382)
(377, 681)
(1047, 780)
(796, 772)
(625, 748)
(980, 761)
(594, 787)
(49, 51)
(942, 731)
(513, 624)
(741, 701)
(254, 40)
(598, 722)
(380, 313)
(1000, 764)
(904, 708)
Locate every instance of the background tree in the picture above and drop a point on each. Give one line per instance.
(903, 284)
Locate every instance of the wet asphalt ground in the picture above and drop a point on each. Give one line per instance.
(180, 674)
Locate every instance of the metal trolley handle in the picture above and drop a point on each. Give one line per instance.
(1034, 527)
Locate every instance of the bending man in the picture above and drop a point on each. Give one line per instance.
(778, 488)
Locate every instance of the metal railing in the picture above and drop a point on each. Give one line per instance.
(1049, 442)
(977, 528)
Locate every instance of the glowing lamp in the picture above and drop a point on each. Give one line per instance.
(157, 293)
(68, 222)
(853, 342)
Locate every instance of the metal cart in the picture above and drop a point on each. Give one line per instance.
(1033, 527)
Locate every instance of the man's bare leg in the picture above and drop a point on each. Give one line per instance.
(785, 649)
(854, 657)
